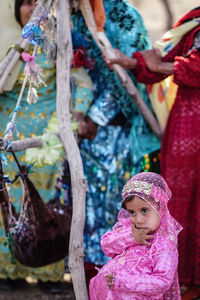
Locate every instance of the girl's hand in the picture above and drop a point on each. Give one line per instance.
(141, 235)
(152, 59)
(110, 280)
(120, 59)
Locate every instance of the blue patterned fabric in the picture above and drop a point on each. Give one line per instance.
(117, 151)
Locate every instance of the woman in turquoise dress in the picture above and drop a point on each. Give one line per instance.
(124, 144)
(30, 122)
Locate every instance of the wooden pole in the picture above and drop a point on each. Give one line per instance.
(106, 48)
(79, 184)
(21, 145)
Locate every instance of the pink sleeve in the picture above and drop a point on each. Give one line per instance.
(153, 284)
(187, 70)
(116, 241)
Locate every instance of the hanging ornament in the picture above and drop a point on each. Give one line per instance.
(33, 34)
(32, 96)
(11, 130)
(33, 70)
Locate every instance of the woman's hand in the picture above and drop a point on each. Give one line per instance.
(120, 59)
(152, 59)
(141, 235)
(110, 280)
(87, 129)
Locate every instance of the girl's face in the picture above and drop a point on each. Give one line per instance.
(26, 10)
(142, 214)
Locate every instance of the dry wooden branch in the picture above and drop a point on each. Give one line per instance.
(12, 57)
(79, 184)
(106, 48)
(21, 145)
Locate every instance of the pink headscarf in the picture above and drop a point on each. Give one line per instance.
(153, 189)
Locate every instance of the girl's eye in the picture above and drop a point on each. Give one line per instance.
(144, 210)
(131, 212)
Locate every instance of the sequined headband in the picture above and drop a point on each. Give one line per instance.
(137, 186)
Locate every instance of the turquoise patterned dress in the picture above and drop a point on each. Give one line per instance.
(30, 121)
(124, 144)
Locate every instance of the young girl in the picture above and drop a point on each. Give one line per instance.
(143, 246)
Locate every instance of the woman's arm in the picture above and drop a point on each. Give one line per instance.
(186, 70)
(149, 72)
(121, 59)
(154, 63)
(146, 65)
(87, 129)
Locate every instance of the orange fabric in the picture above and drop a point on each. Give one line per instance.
(99, 14)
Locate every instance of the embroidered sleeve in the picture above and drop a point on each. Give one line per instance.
(116, 241)
(187, 70)
(153, 284)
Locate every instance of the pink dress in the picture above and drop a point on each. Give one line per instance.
(140, 272)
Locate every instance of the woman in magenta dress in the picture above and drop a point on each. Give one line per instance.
(180, 151)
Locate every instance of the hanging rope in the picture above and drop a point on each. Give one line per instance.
(11, 126)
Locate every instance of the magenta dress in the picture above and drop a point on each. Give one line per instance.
(141, 272)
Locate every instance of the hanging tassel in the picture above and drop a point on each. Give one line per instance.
(32, 96)
(33, 70)
(11, 129)
(33, 34)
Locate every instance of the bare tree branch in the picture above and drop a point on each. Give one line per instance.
(21, 145)
(79, 184)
